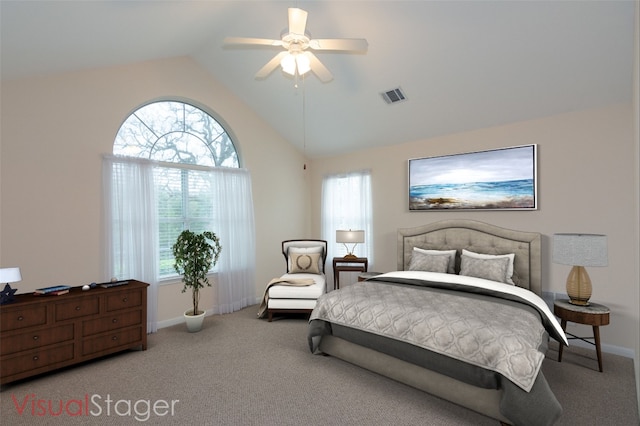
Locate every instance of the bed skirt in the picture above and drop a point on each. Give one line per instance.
(483, 401)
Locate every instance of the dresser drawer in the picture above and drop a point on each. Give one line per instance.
(77, 308)
(124, 300)
(111, 340)
(111, 322)
(16, 318)
(33, 360)
(35, 339)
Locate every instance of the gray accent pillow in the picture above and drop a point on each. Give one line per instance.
(510, 256)
(428, 262)
(490, 269)
(451, 269)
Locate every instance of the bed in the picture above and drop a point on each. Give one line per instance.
(439, 325)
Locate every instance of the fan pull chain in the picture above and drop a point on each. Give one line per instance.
(304, 123)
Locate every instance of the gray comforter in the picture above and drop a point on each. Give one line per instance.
(487, 339)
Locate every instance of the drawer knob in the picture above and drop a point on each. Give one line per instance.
(114, 338)
(115, 320)
(77, 308)
(125, 300)
(36, 357)
(36, 337)
(20, 318)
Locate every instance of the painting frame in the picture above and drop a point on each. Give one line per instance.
(495, 179)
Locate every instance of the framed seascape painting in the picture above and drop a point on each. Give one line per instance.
(499, 179)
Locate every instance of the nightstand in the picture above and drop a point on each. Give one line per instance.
(593, 314)
(340, 264)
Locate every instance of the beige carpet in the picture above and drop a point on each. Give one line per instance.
(243, 371)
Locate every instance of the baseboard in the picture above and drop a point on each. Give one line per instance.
(179, 320)
(170, 322)
(610, 349)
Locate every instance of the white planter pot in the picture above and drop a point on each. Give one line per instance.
(194, 322)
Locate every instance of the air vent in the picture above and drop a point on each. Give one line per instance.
(393, 96)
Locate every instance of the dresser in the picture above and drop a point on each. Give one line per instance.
(43, 333)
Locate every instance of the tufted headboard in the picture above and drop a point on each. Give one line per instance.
(479, 237)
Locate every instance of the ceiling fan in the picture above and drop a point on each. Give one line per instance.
(296, 59)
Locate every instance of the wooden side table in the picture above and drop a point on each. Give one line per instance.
(593, 314)
(340, 264)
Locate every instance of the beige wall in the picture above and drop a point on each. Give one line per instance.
(586, 170)
(54, 131)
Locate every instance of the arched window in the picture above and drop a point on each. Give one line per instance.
(175, 132)
(170, 132)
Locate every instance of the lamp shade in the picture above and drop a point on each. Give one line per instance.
(10, 275)
(580, 249)
(296, 62)
(303, 62)
(288, 64)
(349, 237)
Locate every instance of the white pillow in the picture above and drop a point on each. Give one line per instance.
(306, 250)
(511, 256)
(451, 267)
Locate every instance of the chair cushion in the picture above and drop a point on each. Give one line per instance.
(299, 292)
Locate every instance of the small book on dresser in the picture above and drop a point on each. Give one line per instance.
(52, 291)
(114, 284)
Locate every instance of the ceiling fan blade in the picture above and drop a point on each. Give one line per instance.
(318, 68)
(270, 66)
(297, 21)
(345, 44)
(252, 41)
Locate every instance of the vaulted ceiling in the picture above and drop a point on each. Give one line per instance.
(463, 65)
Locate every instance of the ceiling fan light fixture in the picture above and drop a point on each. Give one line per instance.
(288, 64)
(293, 63)
(304, 64)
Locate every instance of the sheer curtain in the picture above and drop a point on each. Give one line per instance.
(130, 226)
(346, 204)
(131, 230)
(233, 212)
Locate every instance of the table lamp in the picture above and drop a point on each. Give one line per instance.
(350, 237)
(580, 250)
(8, 275)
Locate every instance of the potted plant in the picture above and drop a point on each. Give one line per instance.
(195, 254)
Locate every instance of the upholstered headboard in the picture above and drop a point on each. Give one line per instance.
(312, 245)
(479, 237)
